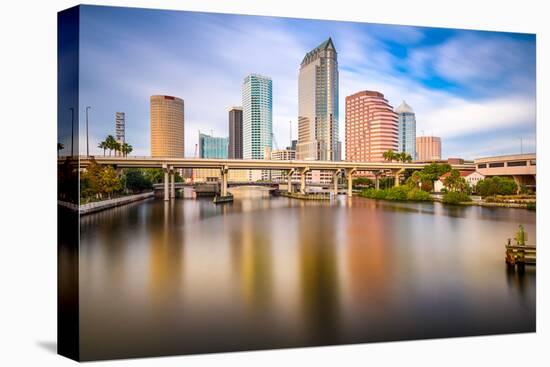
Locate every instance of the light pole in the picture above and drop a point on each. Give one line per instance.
(72, 131)
(87, 143)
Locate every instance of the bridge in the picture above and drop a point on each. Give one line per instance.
(338, 168)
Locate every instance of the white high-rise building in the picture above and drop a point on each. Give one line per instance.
(257, 101)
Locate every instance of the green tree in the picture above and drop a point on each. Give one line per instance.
(109, 181)
(90, 180)
(136, 180)
(455, 182)
(102, 145)
(154, 175)
(126, 149)
(111, 143)
(404, 157)
(389, 155)
(496, 186)
(432, 172)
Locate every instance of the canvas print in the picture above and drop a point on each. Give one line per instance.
(236, 182)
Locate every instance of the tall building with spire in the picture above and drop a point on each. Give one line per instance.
(406, 129)
(318, 105)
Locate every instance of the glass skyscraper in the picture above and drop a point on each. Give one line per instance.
(407, 129)
(318, 105)
(257, 91)
(212, 147)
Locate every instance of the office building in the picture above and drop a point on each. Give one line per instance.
(371, 127)
(318, 105)
(257, 91)
(406, 129)
(428, 148)
(212, 147)
(235, 133)
(167, 124)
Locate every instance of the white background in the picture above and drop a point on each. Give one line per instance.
(28, 183)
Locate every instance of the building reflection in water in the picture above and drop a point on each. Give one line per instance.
(189, 276)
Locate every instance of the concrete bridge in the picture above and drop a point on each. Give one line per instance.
(169, 165)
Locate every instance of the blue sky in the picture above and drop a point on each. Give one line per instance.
(475, 89)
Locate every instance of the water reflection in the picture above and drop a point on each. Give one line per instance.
(188, 276)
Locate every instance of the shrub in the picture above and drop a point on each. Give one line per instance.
(454, 197)
(496, 186)
(418, 195)
(532, 206)
(397, 193)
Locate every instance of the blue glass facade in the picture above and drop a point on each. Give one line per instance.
(407, 129)
(212, 147)
(257, 94)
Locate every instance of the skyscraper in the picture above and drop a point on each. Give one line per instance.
(318, 105)
(407, 129)
(257, 115)
(212, 147)
(167, 121)
(371, 127)
(120, 127)
(235, 133)
(428, 148)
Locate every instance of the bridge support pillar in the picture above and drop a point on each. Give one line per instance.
(289, 180)
(223, 187)
(396, 175)
(172, 183)
(166, 179)
(303, 172)
(349, 176)
(377, 180)
(335, 181)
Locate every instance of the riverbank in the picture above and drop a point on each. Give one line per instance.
(297, 195)
(111, 203)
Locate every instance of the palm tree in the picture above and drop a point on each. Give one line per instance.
(126, 149)
(404, 157)
(389, 155)
(59, 147)
(111, 143)
(102, 145)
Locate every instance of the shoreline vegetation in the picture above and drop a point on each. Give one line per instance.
(493, 191)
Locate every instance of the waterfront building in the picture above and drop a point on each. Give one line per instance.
(235, 150)
(212, 147)
(520, 167)
(318, 105)
(406, 130)
(371, 127)
(428, 148)
(167, 127)
(472, 178)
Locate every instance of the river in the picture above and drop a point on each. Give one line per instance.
(262, 272)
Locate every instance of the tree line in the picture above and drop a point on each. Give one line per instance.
(111, 145)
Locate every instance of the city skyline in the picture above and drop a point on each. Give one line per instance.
(452, 78)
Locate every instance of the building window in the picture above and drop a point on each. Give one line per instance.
(495, 165)
(517, 164)
(482, 165)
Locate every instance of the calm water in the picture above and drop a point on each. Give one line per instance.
(189, 277)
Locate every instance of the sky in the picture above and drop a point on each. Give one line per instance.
(474, 89)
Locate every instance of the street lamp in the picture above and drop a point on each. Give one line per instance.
(87, 143)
